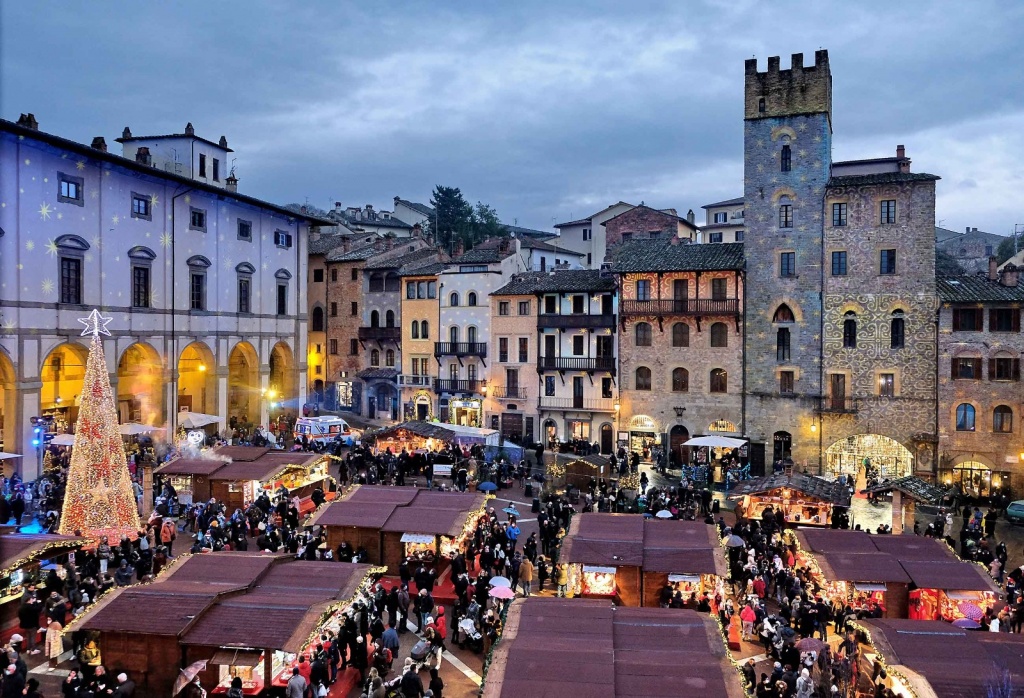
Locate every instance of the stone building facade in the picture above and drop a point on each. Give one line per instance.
(979, 390)
(680, 343)
(644, 222)
(513, 388)
(421, 327)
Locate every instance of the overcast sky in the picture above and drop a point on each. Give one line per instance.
(546, 110)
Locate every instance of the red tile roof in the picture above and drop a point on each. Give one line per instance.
(190, 466)
(16, 547)
(403, 510)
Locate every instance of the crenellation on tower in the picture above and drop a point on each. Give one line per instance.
(796, 90)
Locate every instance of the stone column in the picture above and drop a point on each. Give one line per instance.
(222, 394)
(264, 402)
(147, 488)
(29, 465)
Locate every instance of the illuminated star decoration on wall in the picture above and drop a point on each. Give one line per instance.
(51, 248)
(44, 211)
(95, 324)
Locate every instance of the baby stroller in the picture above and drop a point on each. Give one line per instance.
(468, 635)
(420, 653)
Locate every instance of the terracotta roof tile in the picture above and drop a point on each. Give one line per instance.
(660, 255)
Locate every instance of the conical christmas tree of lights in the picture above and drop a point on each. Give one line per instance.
(99, 499)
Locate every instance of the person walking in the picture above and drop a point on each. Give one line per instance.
(526, 576)
(562, 579)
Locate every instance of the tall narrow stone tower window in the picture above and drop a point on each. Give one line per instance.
(850, 331)
(787, 158)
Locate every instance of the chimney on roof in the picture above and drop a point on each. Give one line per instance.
(967, 229)
(460, 248)
(993, 268)
(223, 142)
(417, 230)
(505, 246)
(231, 183)
(189, 131)
(142, 156)
(675, 240)
(901, 152)
(99, 143)
(28, 121)
(127, 133)
(974, 230)
(337, 207)
(903, 162)
(389, 242)
(1009, 275)
(346, 243)
(690, 216)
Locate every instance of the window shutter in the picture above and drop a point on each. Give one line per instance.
(991, 369)
(1015, 323)
(1016, 369)
(953, 366)
(991, 319)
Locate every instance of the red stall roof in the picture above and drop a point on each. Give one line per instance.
(402, 509)
(190, 466)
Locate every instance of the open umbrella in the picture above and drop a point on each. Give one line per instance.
(501, 582)
(971, 611)
(133, 429)
(967, 624)
(734, 541)
(5, 456)
(664, 514)
(502, 593)
(187, 675)
(811, 644)
(195, 420)
(63, 440)
(511, 510)
(487, 486)
(720, 441)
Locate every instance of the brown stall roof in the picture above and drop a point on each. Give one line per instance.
(584, 648)
(953, 663)
(439, 513)
(807, 485)
(951, 575)
(357, 514)
(243, 453)
(914, 548)
(263, 469)
(190, 466)
(605, 539)
(18, 549)
(238, 570)
(148, 611)
(373, 494)
(827, 540)
(861, 567)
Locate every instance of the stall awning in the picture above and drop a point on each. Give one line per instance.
(417, 538)
(230, 657)
(965, 595)
(688, 578)
(598, 569)
(865, 586)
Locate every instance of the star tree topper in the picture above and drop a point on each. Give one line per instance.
(95, 324)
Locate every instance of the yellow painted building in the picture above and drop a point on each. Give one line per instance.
(421, 323)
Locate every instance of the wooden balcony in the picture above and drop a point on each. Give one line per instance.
(838, 404)
(380, 334)
(461, 349)
(564, 322)
(452, 386)
(689, 306)
(576, 363)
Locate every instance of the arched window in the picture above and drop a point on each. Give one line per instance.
(719, 381)
(1002, 420)
(376, 283)
(374, 319)
(471, 335)
(965, 417)
(389, 358)
(783, 314)
(850, 330)
(680, 380)
(415, 330)
(318, 319)
(643, 378)
(392, 282)
(375, 358)
(453, 334)
(896, 330)
(680, 335)
(453, 299)
(782, 344)
(787, 158)
(389, 319)
(643, 334)
(424, 330)
(471, 298)
(719, 335)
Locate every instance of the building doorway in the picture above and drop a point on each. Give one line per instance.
(854, 455)
(782, 446)
(243, 384)
(607, 439)
(679, 454)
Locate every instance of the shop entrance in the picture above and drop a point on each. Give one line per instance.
(643, 437)
(855, 454)
(680, 454)
(466, 413)
(782, 446)
(607, 438)
(976, 479)
(551, 432)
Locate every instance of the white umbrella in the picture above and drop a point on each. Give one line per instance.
(5, 456)
(664, 514)
(187, 675)
(133, 429)
(194, 420)
(720, 441)
(63, 440)
(500, 582)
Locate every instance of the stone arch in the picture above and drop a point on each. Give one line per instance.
(781, 192)
(197, 379)
(282, 376)
(791, 303)
(780, 131)
(62, 374)
(316, 319)
(140, 381)
(244, 383)
(8, 403)
(847, 456)
(851, 307)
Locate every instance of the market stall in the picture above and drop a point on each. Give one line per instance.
(357, 518)
(25, 559)
(189, 477)
(907, 493)
(432, 436)
(253, 470)
(432, 527)
(804, 500)
(578, 472)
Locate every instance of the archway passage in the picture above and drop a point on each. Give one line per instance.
(855, 454)
(282, 379)
(62, 373)
(244, 384)
(197, 379)
(678, 453)
(140, 385)
(8, 428)
(974, 478)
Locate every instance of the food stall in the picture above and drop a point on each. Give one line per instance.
(357, 517)
(190, 477)
(805, 500)
(433, 526)
(946, 589)
(24, 561)
(686, 555)
(580, 471)
(252, 471)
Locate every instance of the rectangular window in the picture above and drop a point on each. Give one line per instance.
(70, 189)
(888, 211)
(355, 274)
(549, 386)
(550, 305)
(1004, 320)
(282, 299)
(355, 308)
(577, 345)
(503, 307)
(786, 158)
(643, 290)
(714, 237)
(578, 305)
(282, 239)
(332, 346)
(606, 387)
(524, 350)
(586, 234)
(410, 290)
(988, 250)
(140, 207)
(787, 264)
(739, 236)
(524, 307)
(719, 289)
(353, 347)
(966, 369)
(334, 275)
(967, 320)
(503, 349)
(334, 309)
(786, 216)
(216, 170)
(786, 382)
(887, 385)
(887, 262)
(197, 219)
(1006, 369)
(202, 165)
(244, 288)
(318, 275)
(71, 280)
(140, 287)
(721, 217)
(197, 290)
(245, 230)
(839, 263)
(838, 215)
